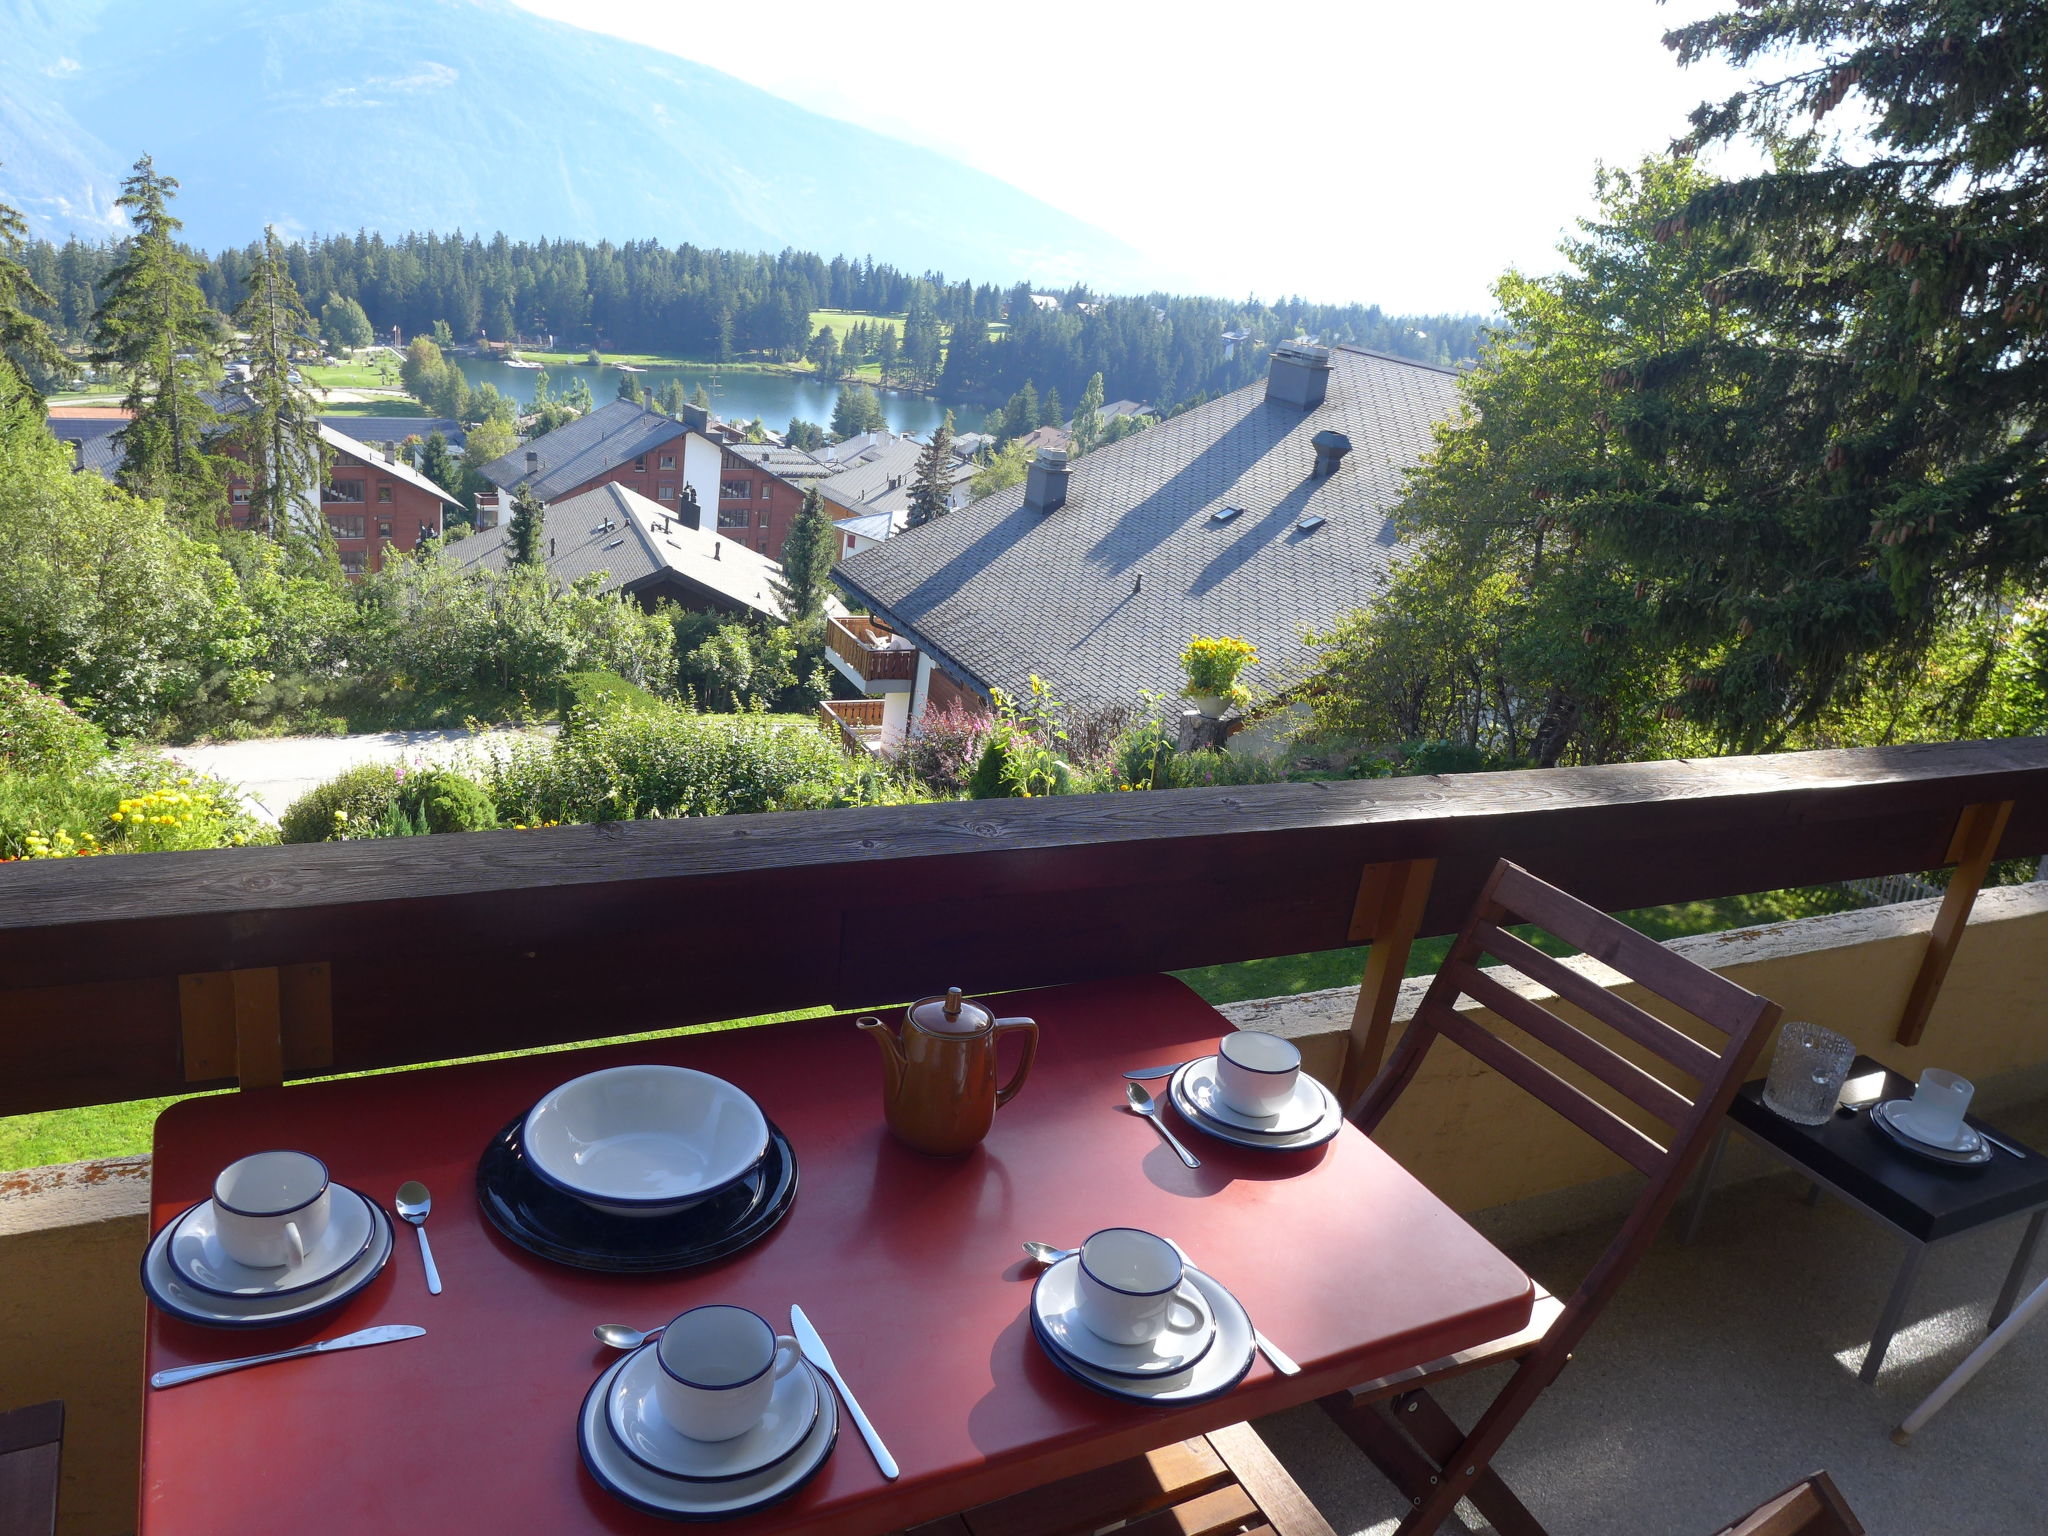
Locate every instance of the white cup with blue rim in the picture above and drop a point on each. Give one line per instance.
(719, 1366)
(1256, 1073)
(1125, 1291)
(270, 1207)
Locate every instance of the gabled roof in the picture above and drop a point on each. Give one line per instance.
(396, 429)
(864, 480)
(92, 434)
(787, 463)
(874, 525)
(998, 591)
(341, 442)
(635, 543)
(583, 449)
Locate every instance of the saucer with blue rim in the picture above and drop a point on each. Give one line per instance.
(633, 1415)
(1320, 1131)
(201, 1264)
(1303, 1110)
(170, 1294)
(1056, 1312)
(1217, 1372)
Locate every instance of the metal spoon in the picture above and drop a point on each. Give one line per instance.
(413, 1204)
(1142, 1102)
(619, 1336)
(1046, 1254)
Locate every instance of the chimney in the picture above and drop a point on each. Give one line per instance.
(697, 419)
(1330, 449)
(390, 453)
(532, 462)
(1045, 487)
(1299, 376)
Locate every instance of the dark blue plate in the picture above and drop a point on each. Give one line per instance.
(561, 1228)
(1059, 1358)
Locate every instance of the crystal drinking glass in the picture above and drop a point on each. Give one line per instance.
(1807, 1072)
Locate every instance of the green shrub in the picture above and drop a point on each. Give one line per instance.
(349, 805)
(443, 800)
(40, 733)
(136, 804)
(589, 697)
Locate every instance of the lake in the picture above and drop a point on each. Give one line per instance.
(774, 397)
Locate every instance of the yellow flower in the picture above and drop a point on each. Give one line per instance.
(116, 816)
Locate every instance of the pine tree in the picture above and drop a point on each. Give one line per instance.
(1021, 415)
(1052, 415)
(277, 432)
(438, 464)
(807, 558)
(523, 530)
(154, 324)
(26, 348)
(1087, 429)
(701, 397)
(628, 390)
(856, 411)
(931, 497)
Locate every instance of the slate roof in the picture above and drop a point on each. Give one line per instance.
(785, 463)
(396, 429)
(874, 525)
(634, 542)
(341, 442)
(862, 485)
(92, 433)
(998, 592)
(584, 449)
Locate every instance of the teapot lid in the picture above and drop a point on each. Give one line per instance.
(953, 1014)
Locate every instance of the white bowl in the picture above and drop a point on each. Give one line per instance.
(644, 1141)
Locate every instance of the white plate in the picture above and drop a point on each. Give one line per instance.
(1899, 1112)
(644, 1140)
(633, 1414)
(1055, 1306)
(1976, 1158)
(160, 1281)
(624, 1478)
(201, 1265)
(1323, 1130)
(1221, 1369)
(1303, 1110)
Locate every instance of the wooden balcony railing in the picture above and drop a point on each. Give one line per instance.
(858, 721)
(150, 974)
(874, 653)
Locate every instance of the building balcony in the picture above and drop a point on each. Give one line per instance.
(869, 655)
(858, 722)
(1724, 1370)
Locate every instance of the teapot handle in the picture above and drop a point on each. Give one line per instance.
(1029, 1029)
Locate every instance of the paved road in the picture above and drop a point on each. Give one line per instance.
(274, 772)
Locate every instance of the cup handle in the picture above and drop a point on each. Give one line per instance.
(1196, 1316)
(294, 1242)
(1029, 1029)
(787, 1353)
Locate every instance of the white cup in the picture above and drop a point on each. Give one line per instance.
(1126, 1286)
(270, 1207)
(1256, 1073)
(719, 1366)
(1938, 1105)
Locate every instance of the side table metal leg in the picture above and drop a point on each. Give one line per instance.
(1999, 1337)
(1708, 1169)
(2017, 1275)
(1894, 1308)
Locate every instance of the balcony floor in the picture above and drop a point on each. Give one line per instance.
(1723, 1372)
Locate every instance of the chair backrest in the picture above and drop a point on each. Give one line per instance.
(31, 1443)
(1740, 1019)
(1813, 1506)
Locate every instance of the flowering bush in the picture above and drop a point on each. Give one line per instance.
(140, 804)
(1213, 664)
(948, 744)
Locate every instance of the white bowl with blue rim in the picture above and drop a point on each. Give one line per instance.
(644, 1140)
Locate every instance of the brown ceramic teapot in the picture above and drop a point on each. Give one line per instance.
(939, 1092)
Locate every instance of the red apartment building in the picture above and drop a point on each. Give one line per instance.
(760, 491)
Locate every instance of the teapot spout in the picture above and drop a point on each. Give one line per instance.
(892, 1052)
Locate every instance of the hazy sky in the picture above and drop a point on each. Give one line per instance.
(1401, 154)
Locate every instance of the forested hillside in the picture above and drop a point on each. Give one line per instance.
(718, 305)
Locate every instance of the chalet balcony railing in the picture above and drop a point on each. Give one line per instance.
(858, 722)
(152, 974)
(875, 654)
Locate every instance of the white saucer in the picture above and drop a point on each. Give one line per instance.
(1976, 1157)
(633, 1414)
(1322, 1130)
(625, 1479)
(172, 1295)
(1899, 1114)
(1055, 1308)
(201, 1265)
(1301, 1111)
(1216, 1373)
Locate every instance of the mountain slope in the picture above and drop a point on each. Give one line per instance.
(472, 114)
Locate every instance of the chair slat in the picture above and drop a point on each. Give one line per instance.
(1170, 1475)
(1281, 1503)
(1711, 998)
(1590, 1116)
(1586, 994)
(1575, 1045)
(1224, 1512)
(1814, 1506)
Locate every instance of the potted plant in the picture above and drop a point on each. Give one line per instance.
(1212, 664)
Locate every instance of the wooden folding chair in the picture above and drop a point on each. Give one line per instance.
(31, 1448)
(1395, 1420)
(1813, 1506)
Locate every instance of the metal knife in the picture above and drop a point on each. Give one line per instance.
(1168, 1070)
(816, 1352)
(389, 1333)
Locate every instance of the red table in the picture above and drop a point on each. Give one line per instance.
(909, 1266)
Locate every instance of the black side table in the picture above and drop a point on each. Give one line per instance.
(1923, 1201)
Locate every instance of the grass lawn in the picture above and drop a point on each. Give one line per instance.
(124, 1130)
(363, 375)
(397, 405)
(844, 320)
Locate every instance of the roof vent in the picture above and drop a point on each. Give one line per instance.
(1330, 449)
(615, 543)
(1045, 487)
(1298, 376)
(1225, 514)
(532, 462)
(1310, 523)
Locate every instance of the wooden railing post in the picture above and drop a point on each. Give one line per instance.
(1971, 850)
(1386, 914)
(256, 1024)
